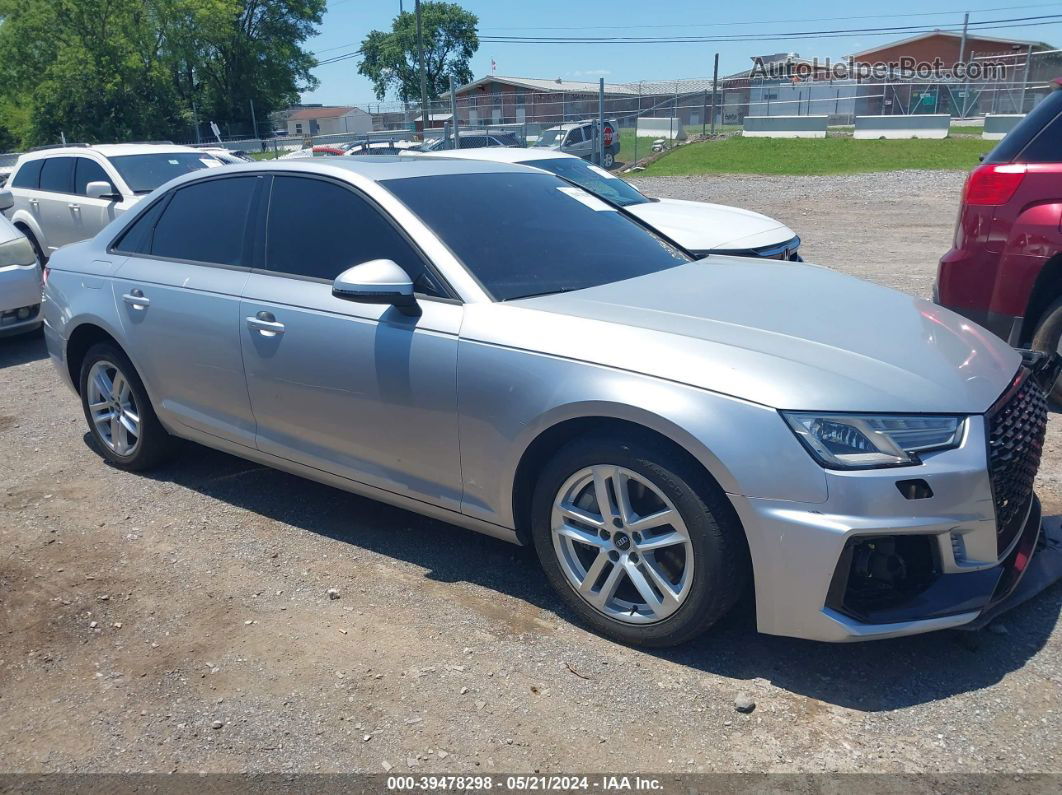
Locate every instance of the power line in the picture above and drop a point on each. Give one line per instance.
(781, 21)
(985, 24)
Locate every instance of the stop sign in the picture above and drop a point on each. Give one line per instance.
(608, 135)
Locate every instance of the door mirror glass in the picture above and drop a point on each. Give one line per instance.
(378, 281)
(101, 190)
(7, 200)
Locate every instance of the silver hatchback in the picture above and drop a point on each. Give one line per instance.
(490, 345)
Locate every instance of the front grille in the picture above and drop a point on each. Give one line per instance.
(1016, 426)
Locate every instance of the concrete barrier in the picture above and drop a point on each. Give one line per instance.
(670, 129)
(928, 125)
(785, 126)
(999, 124)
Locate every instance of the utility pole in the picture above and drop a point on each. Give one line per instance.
(962, 56)
(715, 89)
(453, 115)
(423, 74)
(601, 121)
(254, 120)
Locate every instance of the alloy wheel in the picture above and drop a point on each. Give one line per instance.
(622, 545)
(113, 408)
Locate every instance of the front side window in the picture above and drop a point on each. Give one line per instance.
(29, 175)
(473, 141)
(530, 233)
(87, 171)
(596, 180)
(575, 136)
(57, 174)
(319, 229)
(144, 173)
(206, 222)
(551, 137)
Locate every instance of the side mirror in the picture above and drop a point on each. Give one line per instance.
(102, 190)
(378, 281)
(7, 200)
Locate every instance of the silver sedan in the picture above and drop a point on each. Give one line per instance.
(489, 345)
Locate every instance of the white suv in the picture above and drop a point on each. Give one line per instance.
(64, 194)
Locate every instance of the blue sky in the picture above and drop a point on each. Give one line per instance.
(348, 21)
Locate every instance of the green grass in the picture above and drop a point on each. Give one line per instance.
(802, 156)
(645, 143)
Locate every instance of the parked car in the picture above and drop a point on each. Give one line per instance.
(471, 139)
(577, 138)
(332, 149)
(20, 282)
(1004, 269)
(225, 156)
(382, 148)
(63, 194)
(511, 354)
(699, 227)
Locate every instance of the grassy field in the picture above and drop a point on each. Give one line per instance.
(645, 143)
(793, 156)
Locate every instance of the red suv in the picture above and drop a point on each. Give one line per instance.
(1004, 269)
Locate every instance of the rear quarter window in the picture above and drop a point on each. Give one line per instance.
(1046, 147)
(28, 175)
(1038, 135)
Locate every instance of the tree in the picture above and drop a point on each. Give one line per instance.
(389, 60)
(112, 70)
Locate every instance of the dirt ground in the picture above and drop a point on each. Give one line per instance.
(182, 622)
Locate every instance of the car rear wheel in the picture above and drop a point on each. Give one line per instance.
(636, 542)
(609, 160)
(1048, 338)
(119, 414)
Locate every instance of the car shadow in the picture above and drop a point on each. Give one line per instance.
(22, 349)
(871, 677)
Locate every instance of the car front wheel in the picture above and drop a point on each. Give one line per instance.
(120, 416)
(1048, 338)
(636, 541)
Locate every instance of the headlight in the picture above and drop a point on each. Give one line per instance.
(17, 252)
(868, 441)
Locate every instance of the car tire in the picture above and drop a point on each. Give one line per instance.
(37, 250)
(1048, 338)
(609, 160)
(706, 534)
(136, 441)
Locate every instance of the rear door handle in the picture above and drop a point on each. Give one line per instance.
(136, 299)
(265, 324)
(75, 207)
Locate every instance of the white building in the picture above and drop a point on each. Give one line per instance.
(328, 120)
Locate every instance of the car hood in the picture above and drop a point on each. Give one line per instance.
(785, 335)
(699, 226)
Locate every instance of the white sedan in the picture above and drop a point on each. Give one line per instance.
(699, 227)
(20, 282)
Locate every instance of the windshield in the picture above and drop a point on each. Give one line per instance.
(596, 180)
(551, 137)
(144, 173)
(525, 234)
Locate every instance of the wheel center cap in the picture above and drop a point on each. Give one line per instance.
(622, 541)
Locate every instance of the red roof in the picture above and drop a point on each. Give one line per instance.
(305, 114)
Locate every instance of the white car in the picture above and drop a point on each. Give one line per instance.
(20, 282)
(63, 194)
(699, 227)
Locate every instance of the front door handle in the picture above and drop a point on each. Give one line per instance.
(135, 298)
(265, 324)
(75, 207)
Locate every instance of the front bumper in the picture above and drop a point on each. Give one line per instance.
(802, 553)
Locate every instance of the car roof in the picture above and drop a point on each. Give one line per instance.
(374, 167)
(108, 150)
(499, 154)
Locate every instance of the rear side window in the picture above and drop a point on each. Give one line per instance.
(137, 238)
(473, 141)
(1047, 146)
(319, 229)
(206, 222)
(28, 175)
(1037, 129)
(57, 174)
(87, 171)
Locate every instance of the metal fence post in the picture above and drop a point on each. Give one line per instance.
(1025, 78)
(715, 89)
(453, 114)
(600, 121)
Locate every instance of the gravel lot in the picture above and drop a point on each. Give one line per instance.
(182, 621)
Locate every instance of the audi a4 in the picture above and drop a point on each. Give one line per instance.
(490, 345)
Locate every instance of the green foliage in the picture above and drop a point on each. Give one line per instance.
(389, 60)
(112, 70)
